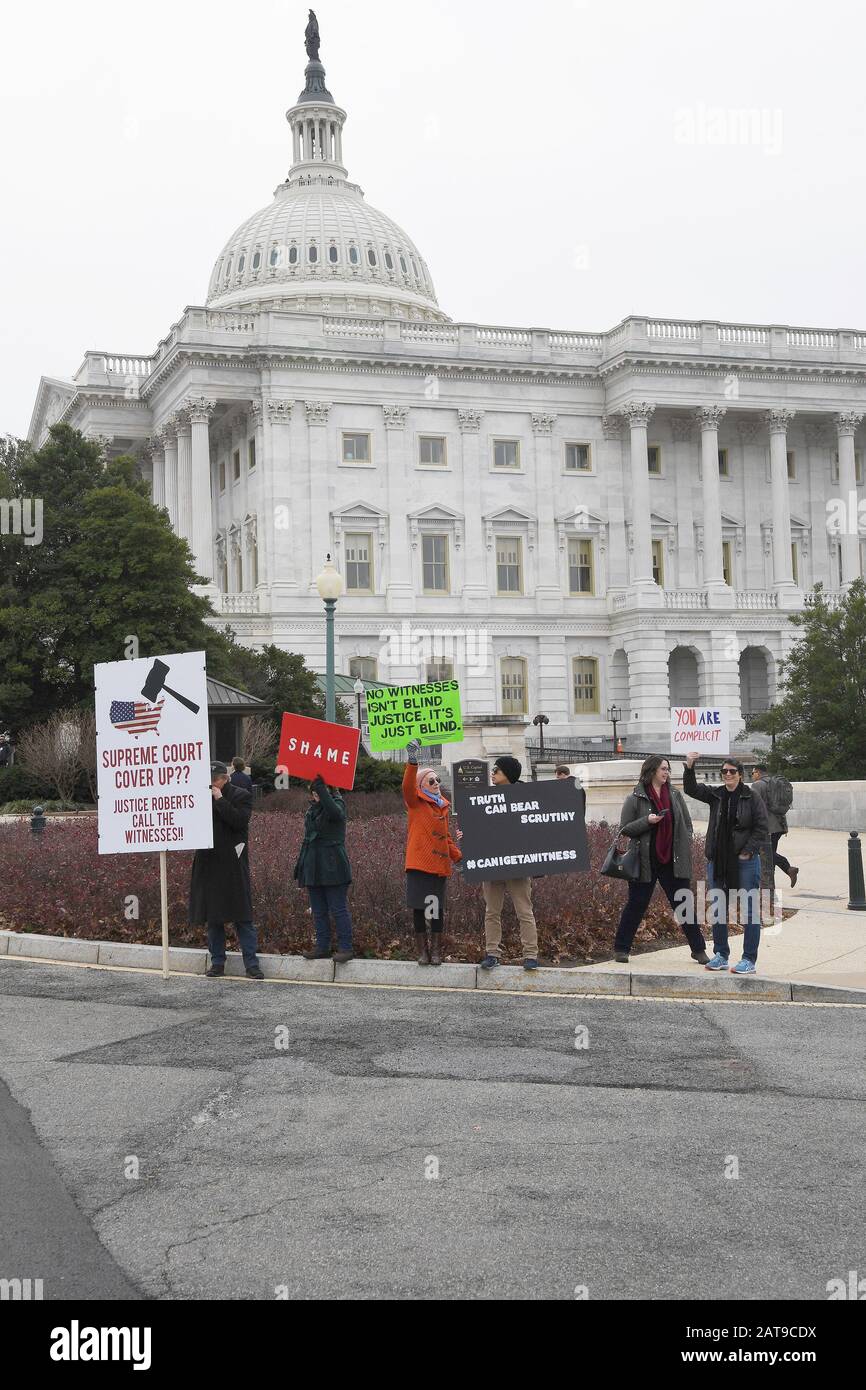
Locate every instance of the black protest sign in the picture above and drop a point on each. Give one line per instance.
(524, 830)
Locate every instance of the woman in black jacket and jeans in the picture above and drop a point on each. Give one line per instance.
(656, 815)
(735, 834)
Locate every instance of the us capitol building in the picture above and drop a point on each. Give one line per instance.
(564, 521)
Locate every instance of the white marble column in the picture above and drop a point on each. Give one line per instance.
(476, 587)
(184, 477)
(283, 523)
(401, 588)
(548, 586)
(202, 527)
(318, 415)
(683, 432)
(783, 568)
(849, 539)
(170, 436)
(157, 448)
(611, 479)
(709, 418)
(638, 414)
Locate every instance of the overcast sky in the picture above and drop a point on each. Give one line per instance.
(559, 163)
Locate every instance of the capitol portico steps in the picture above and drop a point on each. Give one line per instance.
(554, 981)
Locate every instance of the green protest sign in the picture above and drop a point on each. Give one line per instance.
(398, 713)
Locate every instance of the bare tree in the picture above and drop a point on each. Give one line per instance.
(259, 739)
(52, 752)
(87, 749)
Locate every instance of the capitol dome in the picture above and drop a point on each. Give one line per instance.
(319, 247)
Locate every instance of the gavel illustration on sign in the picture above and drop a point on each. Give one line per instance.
(155, 685)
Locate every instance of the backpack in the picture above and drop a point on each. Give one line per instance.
(780, 794)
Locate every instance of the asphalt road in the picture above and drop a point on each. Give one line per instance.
(361, 1143)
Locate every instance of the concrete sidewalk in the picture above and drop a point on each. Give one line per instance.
(823, 944)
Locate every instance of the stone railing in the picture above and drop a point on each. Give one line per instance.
(740, 335)
(685, 598)
(503, 337)
(757, 598)
(679, 332)
(447, 333)
(238, 603)
(353, 328)
(576, 342)
(226, 322)
(129, 366)
(812, 338)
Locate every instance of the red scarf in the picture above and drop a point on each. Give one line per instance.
(665, 828)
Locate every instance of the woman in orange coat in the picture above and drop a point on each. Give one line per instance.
(430, 852)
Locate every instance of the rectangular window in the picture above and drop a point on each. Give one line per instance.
(506, 453)
(357, 448)
(723, 464)
(585, 674)
(222, 473)
(659, 563)
(858, 468)
(581, 577)
(654, 459)
(438, 671)
(363, 668)
(359, 564)
(509, 565)
(251, 456)
(578, 458)
(236, 465)
(792, 464)
(435, 564)
(795, 561)
(513, 685)
(431, 451)
(727, 569)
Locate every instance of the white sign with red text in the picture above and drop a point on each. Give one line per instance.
(153, 755)
(699, 730)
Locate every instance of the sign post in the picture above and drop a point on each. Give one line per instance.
(153, 761)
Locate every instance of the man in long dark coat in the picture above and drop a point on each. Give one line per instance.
(220, 889)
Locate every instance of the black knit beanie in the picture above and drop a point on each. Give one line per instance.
(510, 766)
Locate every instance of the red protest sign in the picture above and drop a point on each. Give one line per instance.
(311, 748)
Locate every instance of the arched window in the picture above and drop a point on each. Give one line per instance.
(389, 260)
(313, 254)
(333, 255)
(414, 267)
(371, 256)
(403, 265)
(293, 255)
(353, 255)
(257, 260)
(275, 255)
(229, 267)
(241, 263)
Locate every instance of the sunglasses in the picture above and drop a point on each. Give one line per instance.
(435, 779)
(730, 771)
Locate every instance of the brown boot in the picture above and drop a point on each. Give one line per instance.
(423, 951)
(435, 948)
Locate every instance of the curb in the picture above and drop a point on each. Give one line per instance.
(511, 979)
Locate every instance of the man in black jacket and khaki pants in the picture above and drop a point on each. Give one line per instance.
(220, 888)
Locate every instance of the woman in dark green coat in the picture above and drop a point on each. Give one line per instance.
(323, 869)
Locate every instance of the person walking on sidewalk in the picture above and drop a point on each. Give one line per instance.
(506, 770)
(737, 829)
(323, 869)
(776, 794)
(656, 815)
(430, 853)
(220, 889)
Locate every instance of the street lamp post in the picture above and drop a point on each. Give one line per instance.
(539, 721)
(614, 714)
(359, 691)
(330, 587)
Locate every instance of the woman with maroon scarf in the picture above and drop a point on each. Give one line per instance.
(657, 816)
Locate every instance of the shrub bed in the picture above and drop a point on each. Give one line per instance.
(58, 884)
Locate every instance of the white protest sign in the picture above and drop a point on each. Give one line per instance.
(153, 755)
(699, 730)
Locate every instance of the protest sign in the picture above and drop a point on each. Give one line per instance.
(153, 755)
(524, 830)
(153, 761)
(311, 748)
(699, 730)
(398, 713)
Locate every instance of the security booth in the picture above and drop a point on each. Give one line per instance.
(228, 708)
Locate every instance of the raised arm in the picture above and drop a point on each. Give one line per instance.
(334, 808)
(237, 812)
(693, 788)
